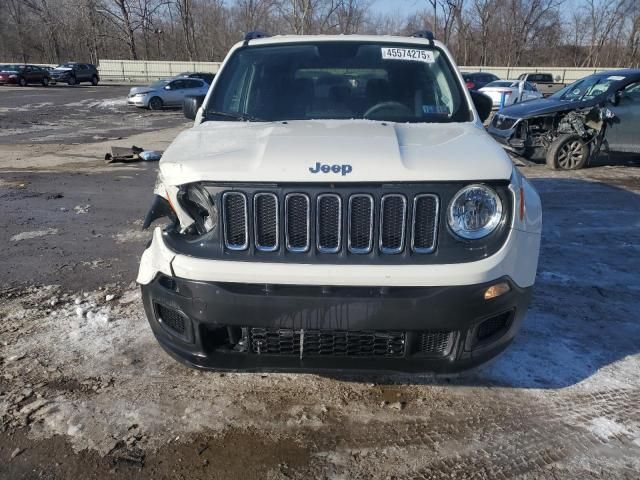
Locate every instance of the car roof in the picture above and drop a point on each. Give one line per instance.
(277, 39)
(622, 71)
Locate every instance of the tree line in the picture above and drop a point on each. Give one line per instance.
(580, 33)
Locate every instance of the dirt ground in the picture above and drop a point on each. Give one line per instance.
(86, 392)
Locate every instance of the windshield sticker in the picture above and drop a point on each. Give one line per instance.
(441, 109)
(408, 54)
(616, 78)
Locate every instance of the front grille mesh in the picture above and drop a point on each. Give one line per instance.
(425, 219)
(313, 343)
(393, 218)
(297, 213)
(171, 318)
(436, 343)
(266, 221)
(235, 220)
(331, 223)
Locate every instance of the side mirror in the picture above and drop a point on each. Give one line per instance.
(558, 78)
(614, 98)
(191, 104)
(483, 104)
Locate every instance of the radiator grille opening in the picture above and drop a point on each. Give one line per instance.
(393, 217)
(312, 343)
(425, 222)
(329, 223)
(235, 221)
(297, 222)
(266, 228)
(360, 224)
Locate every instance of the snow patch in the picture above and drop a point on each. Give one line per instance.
(606, 429)
(34, 234)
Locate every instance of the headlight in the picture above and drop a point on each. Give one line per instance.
(474, 212)
(197, 202)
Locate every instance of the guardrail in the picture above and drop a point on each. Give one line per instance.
(135, 70)
(149, 70)
(560, 74)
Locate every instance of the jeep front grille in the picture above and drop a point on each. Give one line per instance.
(331, 223)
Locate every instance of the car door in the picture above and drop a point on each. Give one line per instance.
(174, 94)
(622, 133)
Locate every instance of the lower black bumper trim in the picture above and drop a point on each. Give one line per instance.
(222, 317)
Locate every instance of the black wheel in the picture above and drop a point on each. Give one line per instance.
(22, 82)
(94, 80)
(155, 103)
(568, 152)
(71, 81)
(45, 82)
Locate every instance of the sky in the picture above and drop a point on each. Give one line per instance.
(393, 6)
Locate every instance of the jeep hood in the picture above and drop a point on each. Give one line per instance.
(375, 151)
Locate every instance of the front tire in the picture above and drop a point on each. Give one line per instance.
(22, 82)
(94, 80)
(568, 152)
(45, 82)
(155, 103)
(72, 81)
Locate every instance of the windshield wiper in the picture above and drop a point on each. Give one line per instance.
(243, 117)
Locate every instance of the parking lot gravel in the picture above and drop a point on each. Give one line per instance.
(65, 114)
(86, 392)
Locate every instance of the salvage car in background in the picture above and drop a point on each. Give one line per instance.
(571, 126)
(544, 82)
(73, 73)
(475, 81)
(166, 93)
(207, 77)
(24, 75)
(512, 92)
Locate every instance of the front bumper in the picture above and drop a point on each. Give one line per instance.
(137, 101)
(8, 81)
(227, 326)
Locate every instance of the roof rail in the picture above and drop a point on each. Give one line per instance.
(428, 34)
(255, 35)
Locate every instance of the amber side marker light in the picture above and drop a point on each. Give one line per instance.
(496, 290)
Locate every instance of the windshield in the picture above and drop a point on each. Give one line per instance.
(338, 80)
(159, 84)
(585, 88)
(501, 83)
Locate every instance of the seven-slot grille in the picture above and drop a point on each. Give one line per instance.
(393, 223)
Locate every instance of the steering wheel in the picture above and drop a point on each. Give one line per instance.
(400, 108)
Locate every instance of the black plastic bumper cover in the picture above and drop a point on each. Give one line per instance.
(208, 308)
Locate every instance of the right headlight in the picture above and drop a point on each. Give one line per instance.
(474, 212)
(200, 206)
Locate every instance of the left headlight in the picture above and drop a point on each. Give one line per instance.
(197, 202)
(474, 212)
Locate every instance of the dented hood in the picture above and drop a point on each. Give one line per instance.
(333, 151)
(546, 106)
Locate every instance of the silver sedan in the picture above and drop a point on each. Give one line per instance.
(166, 93)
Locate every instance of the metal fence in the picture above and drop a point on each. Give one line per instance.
(140, 70)
(560, 74)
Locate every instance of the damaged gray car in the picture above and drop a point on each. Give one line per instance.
(571, 127)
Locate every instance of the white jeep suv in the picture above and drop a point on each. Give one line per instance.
(339, 205)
